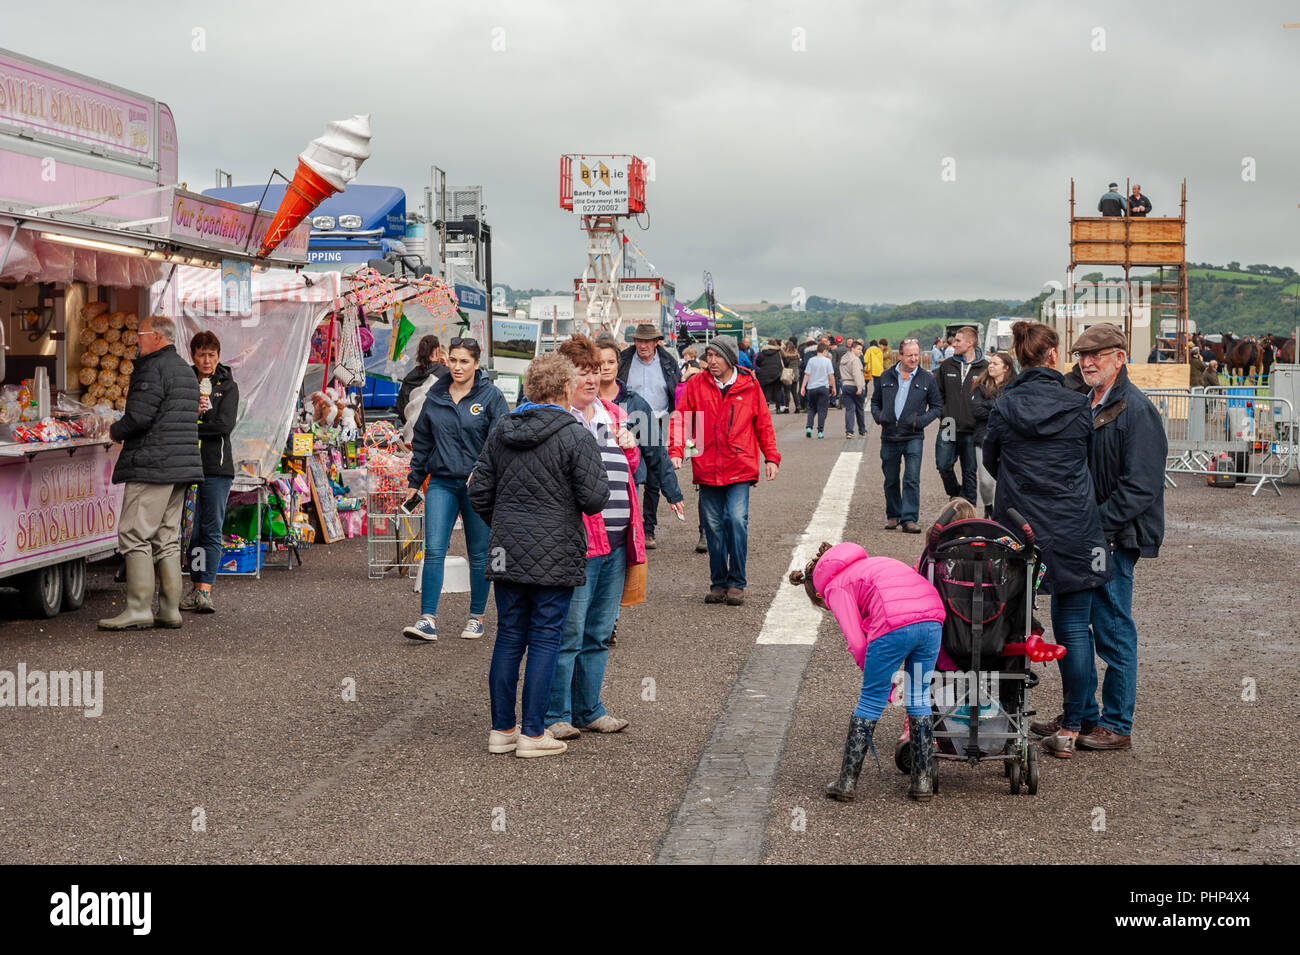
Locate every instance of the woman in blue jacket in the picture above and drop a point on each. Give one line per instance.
(458, 415)
(1039, 436)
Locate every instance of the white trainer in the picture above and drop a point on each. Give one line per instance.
(544, 745)
(499, 742)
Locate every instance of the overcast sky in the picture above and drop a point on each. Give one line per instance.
(775, 166)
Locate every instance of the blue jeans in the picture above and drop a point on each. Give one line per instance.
(915, 648)
(584, 647)
(209, 515)
(904, 507)
(1072, 615)
(529, 618)
(818, 401)
(1115, 636)
(946, 455)
(855, 406)
(725, 511)
(444, 499)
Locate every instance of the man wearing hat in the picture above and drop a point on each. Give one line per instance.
(1112, 203)
(651, 372)
(1127, 461)
(725, 415)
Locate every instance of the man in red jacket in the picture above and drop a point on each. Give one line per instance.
(725, 416)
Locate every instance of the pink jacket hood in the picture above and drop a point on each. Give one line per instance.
(872, 596)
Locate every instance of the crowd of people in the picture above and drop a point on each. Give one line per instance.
(558, 499)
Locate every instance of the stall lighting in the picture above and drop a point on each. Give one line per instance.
(92, 244)
(349, 222)
(323, 223)
(157, 256)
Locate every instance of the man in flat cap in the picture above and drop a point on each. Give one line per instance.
(1112, 203)
(651, 372)
(1127, 461)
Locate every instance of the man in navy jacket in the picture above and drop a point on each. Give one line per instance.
(1127, 461)
(905, 400)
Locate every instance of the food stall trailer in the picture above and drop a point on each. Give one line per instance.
(92, 226)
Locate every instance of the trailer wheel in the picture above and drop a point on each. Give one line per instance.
(74, 583)
(42, 591)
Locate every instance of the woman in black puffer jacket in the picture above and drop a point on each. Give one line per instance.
(539, 472)
(1039, 436)
(768, 371)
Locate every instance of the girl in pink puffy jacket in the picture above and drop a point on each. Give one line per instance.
(891, 617)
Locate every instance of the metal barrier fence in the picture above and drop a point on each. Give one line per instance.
(1231, 430)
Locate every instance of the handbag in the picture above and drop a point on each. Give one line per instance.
(787, 376)
(634, 585)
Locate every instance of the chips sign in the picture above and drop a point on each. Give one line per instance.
(601, 185)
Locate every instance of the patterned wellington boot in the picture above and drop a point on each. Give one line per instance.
(855, 750)
(922, 731)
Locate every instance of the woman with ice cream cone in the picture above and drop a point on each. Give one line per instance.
(218, 408)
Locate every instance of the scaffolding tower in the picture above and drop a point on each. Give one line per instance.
(1158, 242)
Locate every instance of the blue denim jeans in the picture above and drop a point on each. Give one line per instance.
(209, 515)
(819, 400)
(1115, 637)
(855, 407)
(584, 646)
(1072, 616)
(915, 648)
(444, 499)
(724, 510)
(530, 619)
(946, 455)
(905, 507)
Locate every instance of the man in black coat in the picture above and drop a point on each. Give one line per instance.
(1127, 461)
(159, 461)
(905, 400)
(956, 439)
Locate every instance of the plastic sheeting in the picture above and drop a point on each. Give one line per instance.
(266, 351)
(21, 260)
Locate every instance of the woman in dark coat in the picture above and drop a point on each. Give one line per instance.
(768, 371)
(539, 472)
(218, 409)
(1039, 435)
(427, 362)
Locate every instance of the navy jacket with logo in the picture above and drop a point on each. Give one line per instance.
(448, 437)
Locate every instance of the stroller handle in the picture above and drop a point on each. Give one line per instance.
(1022, 524)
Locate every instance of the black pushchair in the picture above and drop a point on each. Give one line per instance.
(987, 576)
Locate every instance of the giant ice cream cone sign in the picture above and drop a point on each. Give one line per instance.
(325, 167)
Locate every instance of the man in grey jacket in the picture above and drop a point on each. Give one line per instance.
(159, 461)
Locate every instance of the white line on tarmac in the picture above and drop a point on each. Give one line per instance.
(789, 620)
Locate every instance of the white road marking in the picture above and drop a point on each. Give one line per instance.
(791, 619)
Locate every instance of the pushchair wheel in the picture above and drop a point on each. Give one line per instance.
(1006, 767)
(1015, 775)
(1033, 772)
(903, 756)
(934, 775)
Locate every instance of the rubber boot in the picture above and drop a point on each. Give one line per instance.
(922, 731)
(988, 512)
(138, 614)
(703, 546)
(171, 583)
(855, 750)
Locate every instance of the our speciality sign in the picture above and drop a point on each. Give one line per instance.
(601, 185)
(224, 225)
(71, 108)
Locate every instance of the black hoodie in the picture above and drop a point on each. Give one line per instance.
(1039, 436)
(539, 472)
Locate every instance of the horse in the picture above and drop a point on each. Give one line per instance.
(1242, 357)
(1283, 348)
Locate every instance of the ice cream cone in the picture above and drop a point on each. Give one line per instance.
(307, 191)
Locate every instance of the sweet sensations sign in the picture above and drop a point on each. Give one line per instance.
(54, 503)
(72, 108)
